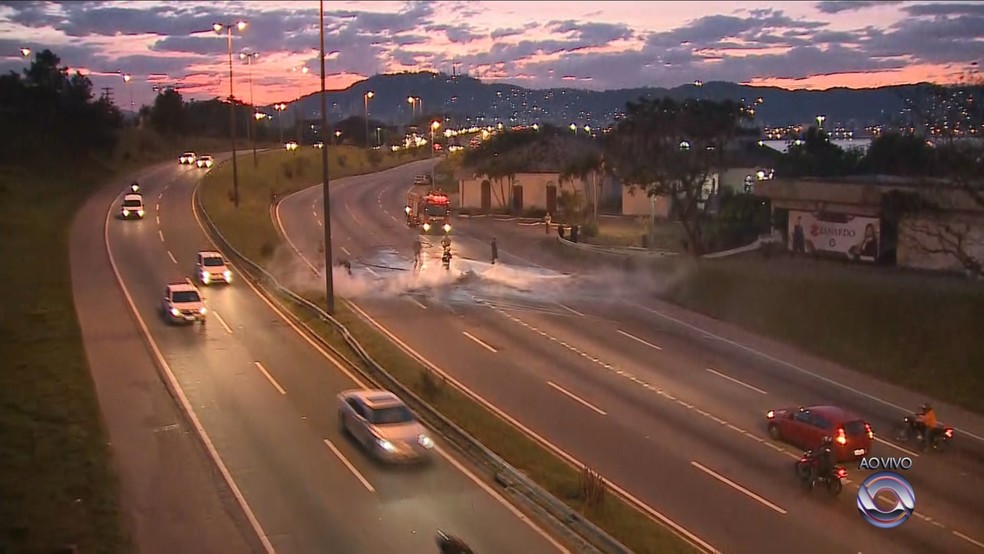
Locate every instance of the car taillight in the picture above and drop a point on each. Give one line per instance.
(871, 434)
(771, 414)
(949, 432)
(841, 473)
(841, 436)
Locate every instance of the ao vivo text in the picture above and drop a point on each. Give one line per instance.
(877, 463)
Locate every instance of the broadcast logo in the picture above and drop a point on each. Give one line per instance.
(894, 486)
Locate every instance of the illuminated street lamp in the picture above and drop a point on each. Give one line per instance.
(250, 129)
(587, 129)
(219, 28)
(298, 112)
(126, 79)
(25, 52)
(536, 127)
(338, 137)
(280, 118)
(574, 128)
(366, 97)
(435, 125)
(820, 120)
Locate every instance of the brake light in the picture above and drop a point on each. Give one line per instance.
(871, 434)
(841, 473)
(841, 436)
(949, 432)
(771, 414)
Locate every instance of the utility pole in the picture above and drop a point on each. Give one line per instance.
(326, 208)
(107, 94)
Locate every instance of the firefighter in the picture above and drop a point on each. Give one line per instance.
(416, 252)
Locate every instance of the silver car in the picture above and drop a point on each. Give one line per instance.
(383, 424)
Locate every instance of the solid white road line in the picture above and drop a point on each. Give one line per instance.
(347, 253)
(185, 404)
(482, 343)
(222, 321)
(270, 378)
(897, 447)
(637, 339)
(170, 255)
(738, 488)
(572, 310)
(350, 467)
(577, 398)
(160, 234)
(968, 539)
(365, 386)
(736, 381)
(290, 243)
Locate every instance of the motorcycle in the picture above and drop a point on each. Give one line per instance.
(446, 259)
(449, 544)
(939, 437)
(833, 480)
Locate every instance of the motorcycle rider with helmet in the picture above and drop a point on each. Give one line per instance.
(823, 461)
(925, 422)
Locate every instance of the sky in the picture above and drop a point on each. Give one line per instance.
(593, 45)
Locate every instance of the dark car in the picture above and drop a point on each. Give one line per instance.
(805, 427)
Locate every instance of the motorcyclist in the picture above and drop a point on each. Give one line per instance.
(823, 460)
(446, 256)
(452, 545)
(925, 422)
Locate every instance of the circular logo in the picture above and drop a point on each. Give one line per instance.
(900, 492)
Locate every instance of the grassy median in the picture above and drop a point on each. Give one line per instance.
(251, 232)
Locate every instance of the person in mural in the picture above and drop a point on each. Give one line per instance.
(799, 238)
(868, 247)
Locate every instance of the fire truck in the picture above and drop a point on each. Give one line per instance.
(430, 211)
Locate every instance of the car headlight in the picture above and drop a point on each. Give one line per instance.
(140, 213)
(205, 277)
(126, 213)
(386, 445)
(175, 312)
(427, 226)
(425, 441)
(447, 227)
(202, 310)
(407, 209)
(227, 274)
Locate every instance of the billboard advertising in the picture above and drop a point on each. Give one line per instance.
(853, 236)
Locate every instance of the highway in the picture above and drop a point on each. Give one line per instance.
(264, 395)
(635, 389)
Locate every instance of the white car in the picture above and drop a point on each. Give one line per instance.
(183, 303)
(211, 268)
(187, 158)
(383, 424)
(133, 206)
(204, 162)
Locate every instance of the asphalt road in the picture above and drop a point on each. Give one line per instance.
(665, 411)
(265, 396)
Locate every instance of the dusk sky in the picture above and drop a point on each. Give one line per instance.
(596, 45)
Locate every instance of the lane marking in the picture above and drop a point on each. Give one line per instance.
(222, 321)
(482, 343)
(348, 464)
(637, 339)
(364, 386)
(968, 539)
(158, 218)
(280, 224)
(370, 270)
(569, 309)
(394, 219)
(738, 487)
(577, 398)
(417, 302)
(736, 381)
(347, 253)
(351, 213)
(897, 447)
(790, 365)
(270, 378)
(160, 234)
(183, 399)
(187, 280)
(314, 213)
(170, 255)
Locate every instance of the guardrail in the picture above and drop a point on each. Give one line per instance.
(616, 250)
(591, 537)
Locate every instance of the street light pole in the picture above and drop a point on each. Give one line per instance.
(280, 118)
(298, 112)
(218, 27)
(326, 198)
(126, 79)
(250, 129)
(367, 96)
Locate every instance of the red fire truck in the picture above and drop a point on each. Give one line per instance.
(430, 211)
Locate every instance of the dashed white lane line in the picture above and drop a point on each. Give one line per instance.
(736, 381)
(170, 255)
(347, 253)
(394, 219)
(479, 341)
(348, 464)
(158, 218)
(572, 310)
(897, 447)
(353, 214)
(222, 321)
(160, 234)
(270, 378)
(314, 213)
(370, 270)
(417, 302)
(739, 488)
(978, 544)
(639, 340)
(577, 398)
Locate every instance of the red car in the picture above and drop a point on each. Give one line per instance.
(806, 427)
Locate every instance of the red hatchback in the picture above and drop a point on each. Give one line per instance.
(806, 427)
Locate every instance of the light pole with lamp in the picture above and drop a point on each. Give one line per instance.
(280, 118)
(338, 137)
(227, 27)
(820, 120)
(434, 126)
(366, 97)
(25, 52)
(251, 129)
(127, 78)
(298, 112)
(326, 198)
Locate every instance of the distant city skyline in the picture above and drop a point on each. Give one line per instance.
(593, 45)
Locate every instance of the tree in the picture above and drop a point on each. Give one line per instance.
(894, 153)
(587, 166)
(167, 115)
(814, 155)
(674, 148)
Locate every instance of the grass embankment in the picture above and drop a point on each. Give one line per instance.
(279, 172)
(922, 332)
(630, 231)
(252, 233)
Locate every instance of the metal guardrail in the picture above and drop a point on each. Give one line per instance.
(591, 536)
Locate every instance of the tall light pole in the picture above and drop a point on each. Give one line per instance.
(297, 111)
(367, 96)
(326, 198)
(280, 118)
(227, 27)
(251, 129)
(126, 79)
(820, 120)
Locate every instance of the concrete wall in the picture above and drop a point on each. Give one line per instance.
(920, 245)
(534, 195)
(635, 201)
